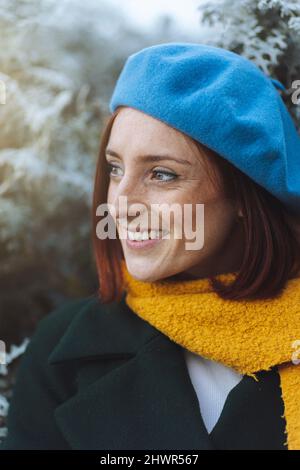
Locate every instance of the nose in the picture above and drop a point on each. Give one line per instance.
(129, 198)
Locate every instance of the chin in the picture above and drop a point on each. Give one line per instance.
(142, 273)
(144, 277)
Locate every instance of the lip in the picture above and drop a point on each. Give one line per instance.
(142, 243)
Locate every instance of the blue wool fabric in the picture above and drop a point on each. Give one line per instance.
(222, 100)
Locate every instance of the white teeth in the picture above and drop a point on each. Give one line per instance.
(154, 234)
(130, 235)
(138, 236)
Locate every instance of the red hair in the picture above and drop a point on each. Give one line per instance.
(272, 247)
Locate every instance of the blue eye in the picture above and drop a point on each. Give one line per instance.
(167, 176)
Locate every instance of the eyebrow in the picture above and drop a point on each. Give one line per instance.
(152, 158)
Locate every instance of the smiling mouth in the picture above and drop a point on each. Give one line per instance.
(141, 234)
(146, 235)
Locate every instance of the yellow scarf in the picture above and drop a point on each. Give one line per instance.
(248, 336)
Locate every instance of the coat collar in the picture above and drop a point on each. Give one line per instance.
(139, 394)
(102, 330)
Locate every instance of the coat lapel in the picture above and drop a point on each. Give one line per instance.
(134, 390)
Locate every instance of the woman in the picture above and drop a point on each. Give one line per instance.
(187, 344)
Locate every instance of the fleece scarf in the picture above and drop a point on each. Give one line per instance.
(247, 335)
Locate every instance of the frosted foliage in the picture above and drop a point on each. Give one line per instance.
(6, 381)
(51, 117)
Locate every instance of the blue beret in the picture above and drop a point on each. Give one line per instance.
(222, 100)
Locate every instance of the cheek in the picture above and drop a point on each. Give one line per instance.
(218, 223)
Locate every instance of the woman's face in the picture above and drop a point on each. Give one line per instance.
(151, 163)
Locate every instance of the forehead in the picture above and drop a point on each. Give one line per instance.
(135, 132)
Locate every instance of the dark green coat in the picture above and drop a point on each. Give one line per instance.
(99, 377)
